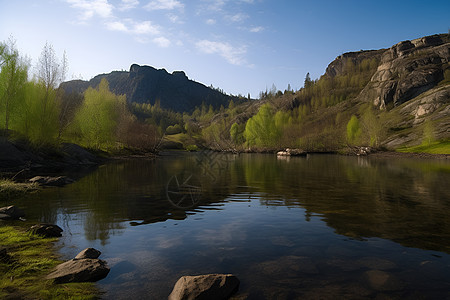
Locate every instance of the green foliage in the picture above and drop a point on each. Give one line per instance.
(353, 129)
(192, 148)
(372, 126)
(96, 120)
(174, 129)
(261, 129)
(13, 76)
(39, 117)
(237, 133)
(438, 147)
(33, 258)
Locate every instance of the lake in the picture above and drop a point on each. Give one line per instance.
(315, 227)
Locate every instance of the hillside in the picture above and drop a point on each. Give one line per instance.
(145, 84)
(399, 98)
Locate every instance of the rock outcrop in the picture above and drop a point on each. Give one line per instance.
(407, 70)
(145, 84)
(85, 267)
(212, 286)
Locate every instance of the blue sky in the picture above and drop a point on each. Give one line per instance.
(241, 46)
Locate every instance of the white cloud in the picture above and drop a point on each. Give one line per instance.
(132, 27)
(128, 4)
(116, 26)
(237, 17)
(175, 19)
(163, 5)
(161, 42)
(232, 54)
(93, 8)
(210, 21)
(256, 29)
(145, 28)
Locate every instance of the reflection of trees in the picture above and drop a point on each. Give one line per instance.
(402, 200)
(405, 201)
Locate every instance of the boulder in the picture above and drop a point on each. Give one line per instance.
(46, 230)
(212, 286)
(11, 213)
(80, 270)
(51, 181)
(88, 253)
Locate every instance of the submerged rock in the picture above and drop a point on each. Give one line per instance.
(212, 286)
(46, 230)
(83, 268)
(383, 281)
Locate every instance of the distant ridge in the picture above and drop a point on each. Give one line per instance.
(145, 84)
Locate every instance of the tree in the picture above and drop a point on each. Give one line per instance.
(260, 130)
(50, 73)
(308, 82)
(98, 116)
(13, 76)
(237, 133)
(353, 129)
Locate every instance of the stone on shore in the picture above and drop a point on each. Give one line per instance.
(46, 230)
(11, 213)
(81, 268)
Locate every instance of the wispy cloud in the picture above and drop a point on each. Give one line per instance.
(162, 42)
(234, 55)
(237, 17)
(175, 19)
(92, 8)
(163, 5)
(256, 29)
(128, 4)
(210, 21)
(132, 27)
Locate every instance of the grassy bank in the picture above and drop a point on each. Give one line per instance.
(30, 259)
(441, 147)
(10, 188)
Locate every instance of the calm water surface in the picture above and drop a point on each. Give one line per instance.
(320, 227)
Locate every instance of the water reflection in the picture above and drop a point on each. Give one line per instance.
(322, 225)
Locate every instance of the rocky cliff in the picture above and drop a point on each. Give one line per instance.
(145, 84)
(411, 85)
(408, 69)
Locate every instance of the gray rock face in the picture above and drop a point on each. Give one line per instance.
(85, 267)
(11, 213)
(46, 230)
(407, 70)
(213, 286)
(80, 270)
(51, 181)
(88, 253)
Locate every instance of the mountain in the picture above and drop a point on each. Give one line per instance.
(145, 84)
(400, 96)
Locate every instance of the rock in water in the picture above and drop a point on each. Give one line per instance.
(212, 286)
(46, 230)
(88, 253)
(11, 212)
(80, 270)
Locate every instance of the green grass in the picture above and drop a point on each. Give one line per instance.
(31, 259)
(441, 147)
(10, 188)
